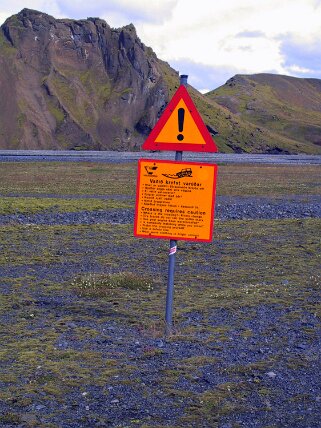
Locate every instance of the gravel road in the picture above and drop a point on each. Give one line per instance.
(123, 157)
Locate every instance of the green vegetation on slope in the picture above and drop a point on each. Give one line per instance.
(286, 106)
(232, 132)
(5, 46)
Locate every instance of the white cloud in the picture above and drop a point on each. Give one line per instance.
(241, 34)
(301, 70)
(120, 12)
(9, 8)
(244, 36)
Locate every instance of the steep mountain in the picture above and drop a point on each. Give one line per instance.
(80, 84)
(76, 84)
(289, 107)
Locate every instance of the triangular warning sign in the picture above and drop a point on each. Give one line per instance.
(180, 127)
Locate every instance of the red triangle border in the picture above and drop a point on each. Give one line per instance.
(209, 144)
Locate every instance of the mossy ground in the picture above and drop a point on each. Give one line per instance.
(87, 178)
(32, 205)
(245, 305)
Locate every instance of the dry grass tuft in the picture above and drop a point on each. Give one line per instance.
(102, 285)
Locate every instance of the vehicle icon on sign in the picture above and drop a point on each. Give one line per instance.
(186, 172)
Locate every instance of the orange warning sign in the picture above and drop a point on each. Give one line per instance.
(180, 127)
(175, 200)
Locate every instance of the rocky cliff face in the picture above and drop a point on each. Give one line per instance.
(69, 84)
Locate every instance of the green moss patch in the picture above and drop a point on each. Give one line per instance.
(30, 205)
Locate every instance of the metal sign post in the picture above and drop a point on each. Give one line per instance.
(173, 245)
(162, 186)
(171, 270)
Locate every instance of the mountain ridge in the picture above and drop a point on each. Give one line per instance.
(80, 84)
(287, 105)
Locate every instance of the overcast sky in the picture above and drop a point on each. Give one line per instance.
(210, 41)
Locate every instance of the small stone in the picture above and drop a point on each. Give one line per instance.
(160, 343)
(29, 419)
(71, 325)
(268, 404)
(87, 407)
(114, 401)
(40, 407)
(272, 375)
(84, 393)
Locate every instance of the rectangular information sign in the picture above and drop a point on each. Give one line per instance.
(175, 200)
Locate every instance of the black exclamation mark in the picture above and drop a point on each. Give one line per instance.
(181, 114)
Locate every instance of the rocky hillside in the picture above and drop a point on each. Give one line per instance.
(76, 84)
(69, 84)
(289, 107)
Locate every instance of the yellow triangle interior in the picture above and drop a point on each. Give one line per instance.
(170, 130)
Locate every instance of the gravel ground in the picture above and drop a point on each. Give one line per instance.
(123, 157)
(227, 208)
(137, 398)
